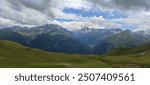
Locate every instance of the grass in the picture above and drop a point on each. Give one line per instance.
(14, 55)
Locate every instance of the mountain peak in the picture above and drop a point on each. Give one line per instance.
(86, 30)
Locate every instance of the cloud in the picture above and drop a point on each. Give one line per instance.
(4, 22)
(15, 11)
(74, 25)
(91, 22)
(37, 12)
(141, 20)
(123, 4)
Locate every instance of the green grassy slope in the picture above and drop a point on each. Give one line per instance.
(15, 55)
(142, 50)
(134, 57)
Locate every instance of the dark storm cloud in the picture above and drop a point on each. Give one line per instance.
(131, 5)
(25, 11)
(38, 5)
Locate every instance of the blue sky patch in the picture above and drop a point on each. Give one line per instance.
(91, 13)
(64, 20)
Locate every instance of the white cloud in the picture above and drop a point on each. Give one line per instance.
(127, 5)
(76, 4)
(21, 14)
(141, 20)
(92, 22)
(4, 22)
(74, 25)
(37, 12)
(30, 13)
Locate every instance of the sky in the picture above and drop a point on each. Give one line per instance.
(77, 14)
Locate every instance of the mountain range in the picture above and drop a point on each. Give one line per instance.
(54, 38)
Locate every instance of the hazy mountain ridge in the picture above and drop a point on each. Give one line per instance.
(55, 38)
(104, 40)
(91, 36)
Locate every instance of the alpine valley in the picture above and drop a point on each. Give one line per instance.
(54, 38)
